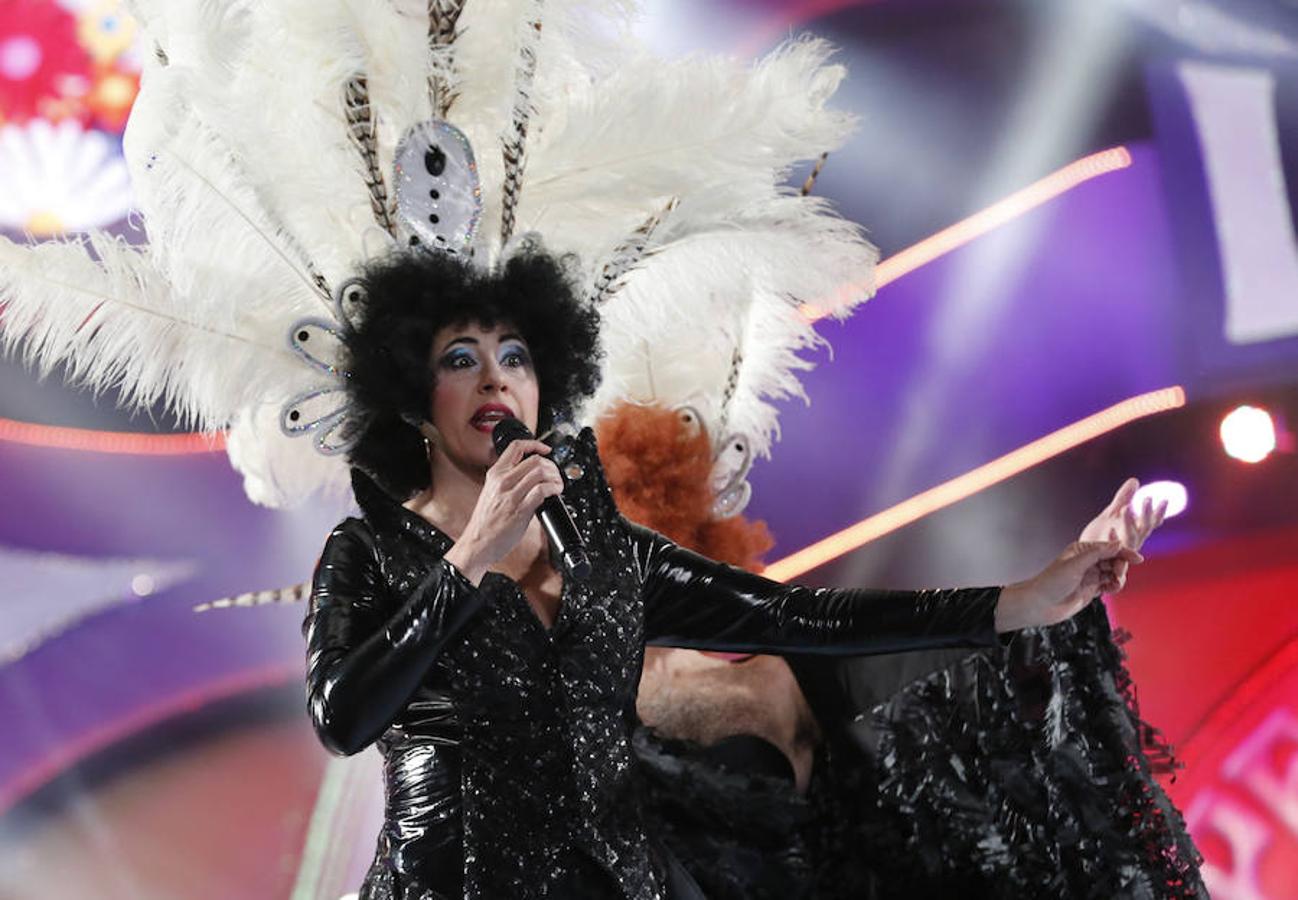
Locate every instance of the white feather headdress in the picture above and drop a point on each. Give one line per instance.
(262, 145)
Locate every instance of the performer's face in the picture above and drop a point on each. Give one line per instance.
(473, 368)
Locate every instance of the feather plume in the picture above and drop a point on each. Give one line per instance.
(514, 140)
(714, 314)
(282, 119)
(115, 323)
(202, 208)
(294, 593)
(625, 257)
(243, 145)
(280, 471)
(658, 129)
(443, 16)
(810, 181)
(581, 38)
(197, 34)
(361, 126)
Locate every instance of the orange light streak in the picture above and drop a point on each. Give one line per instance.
(61, 438)
(993, 217)
(972, 482)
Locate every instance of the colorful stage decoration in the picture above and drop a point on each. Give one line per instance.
(60, 178)
(69, 73)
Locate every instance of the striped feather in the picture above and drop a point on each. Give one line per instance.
(514, 142)
(361, 126)
(625, 257)
(294, 593)
(443, 17)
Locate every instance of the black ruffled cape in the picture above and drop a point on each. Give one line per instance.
(1018, 772)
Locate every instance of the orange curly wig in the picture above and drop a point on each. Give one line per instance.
(659, 468)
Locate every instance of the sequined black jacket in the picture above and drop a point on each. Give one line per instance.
(506, 745)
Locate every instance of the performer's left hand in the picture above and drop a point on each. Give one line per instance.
(1118, 521)
(1096, 563)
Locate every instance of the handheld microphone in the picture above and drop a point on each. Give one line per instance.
(555, 518)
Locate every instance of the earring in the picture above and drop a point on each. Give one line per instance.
(432, 437)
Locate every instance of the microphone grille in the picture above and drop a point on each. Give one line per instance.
(507, 431)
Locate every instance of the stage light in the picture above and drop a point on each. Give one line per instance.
(1248, 434)
(1171, 492)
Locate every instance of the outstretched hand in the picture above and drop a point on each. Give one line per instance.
(1060, 590)
(1118, 521)
(1096, 563)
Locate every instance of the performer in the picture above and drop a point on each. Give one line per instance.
(501, 693)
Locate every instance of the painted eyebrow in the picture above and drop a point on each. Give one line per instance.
(471, 340)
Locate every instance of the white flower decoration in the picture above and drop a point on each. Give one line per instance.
(57, 179)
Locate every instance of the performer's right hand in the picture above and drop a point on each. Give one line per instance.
(514, 488)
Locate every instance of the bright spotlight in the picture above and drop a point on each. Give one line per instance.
(1171, 492)
(1248, 434)
(142, 585)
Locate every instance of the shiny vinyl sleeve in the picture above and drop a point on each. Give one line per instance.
(367, 652)
(694, 602)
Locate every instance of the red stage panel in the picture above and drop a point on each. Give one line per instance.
(1215, 655)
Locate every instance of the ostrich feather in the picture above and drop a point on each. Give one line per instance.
(696, 365)
(280, 471)
(116, 323)
(657, 129)
(202, 209)
(199, 34)
(282, 120)
(719, 286)
(793, 247)
(575, 41)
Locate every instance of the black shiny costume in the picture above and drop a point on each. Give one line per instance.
(1017, 772)
(508, 761)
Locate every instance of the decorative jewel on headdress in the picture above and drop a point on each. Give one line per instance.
(324, 410)
(731, 460)
(439, 197)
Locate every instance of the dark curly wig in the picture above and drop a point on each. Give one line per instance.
(410, 295)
